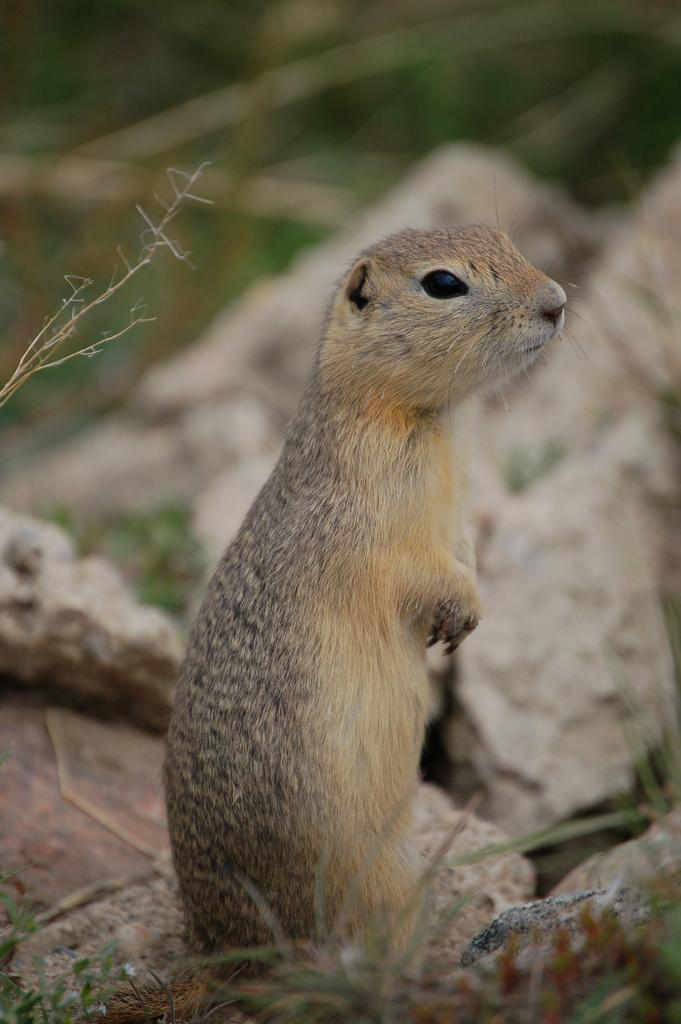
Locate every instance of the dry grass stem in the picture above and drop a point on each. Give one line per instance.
(44, 351)
(78, 180)
(349, 62)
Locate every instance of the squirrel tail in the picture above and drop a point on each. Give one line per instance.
(180, 1000)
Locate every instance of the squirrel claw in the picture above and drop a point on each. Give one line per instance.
(451, 631)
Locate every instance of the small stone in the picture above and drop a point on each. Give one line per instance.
(530, 923)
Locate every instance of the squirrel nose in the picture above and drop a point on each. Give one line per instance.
(553, 313)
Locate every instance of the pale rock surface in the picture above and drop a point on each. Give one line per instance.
(570, 568)
(143, 920)
(447, 836)
(621, 350)
(146, 921)
(651, 856)
(636, 303)
(571, 640)
(220, 509)
(131, 465)
(72, 624)
(178, 434)
(642, 450)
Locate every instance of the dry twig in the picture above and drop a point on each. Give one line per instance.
(68, 791)
(64, 324)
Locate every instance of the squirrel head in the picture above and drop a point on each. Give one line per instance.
(427, 317)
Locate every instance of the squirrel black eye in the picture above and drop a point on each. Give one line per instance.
(440, 284)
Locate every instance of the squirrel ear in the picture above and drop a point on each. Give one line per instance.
(358, 289)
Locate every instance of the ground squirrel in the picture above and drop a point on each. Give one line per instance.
(301, 707)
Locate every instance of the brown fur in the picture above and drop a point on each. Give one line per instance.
(303, 698)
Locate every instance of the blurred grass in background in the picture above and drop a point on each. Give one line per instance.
(306, 109)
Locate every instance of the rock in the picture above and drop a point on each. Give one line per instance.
(220, 509)
(643, 451)
(570, 567)
(129, 465)
(81, 800)
(636, 303)
(143, 919)
(567, 679)
(146, 920)
(185, 427)
(651, 856)
(529, 925)
(620, 352)
(611, 379)
(71, 624)
(448, 836)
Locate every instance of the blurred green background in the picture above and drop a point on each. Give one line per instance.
(306, 109)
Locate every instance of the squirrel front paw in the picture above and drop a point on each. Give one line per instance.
(455, 618)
